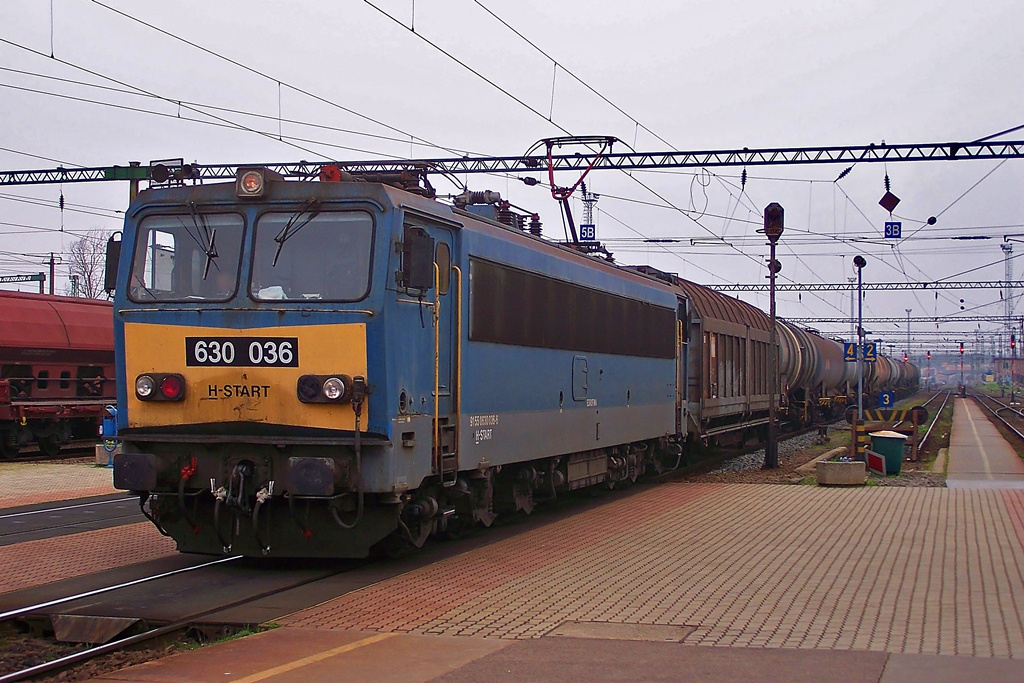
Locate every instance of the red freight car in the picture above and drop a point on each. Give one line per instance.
(56, 369)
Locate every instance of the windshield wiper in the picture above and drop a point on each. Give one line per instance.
(203, 230)
(211, 253)
(291, 227)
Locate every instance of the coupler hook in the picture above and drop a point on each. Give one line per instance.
(262, 496)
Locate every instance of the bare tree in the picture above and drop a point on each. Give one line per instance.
(86, 259)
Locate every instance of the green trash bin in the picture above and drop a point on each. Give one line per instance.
(889, 445)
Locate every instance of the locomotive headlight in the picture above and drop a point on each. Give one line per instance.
(160, 387)
(334, 389)
(144, 386)
(324, 388)
(250, 184)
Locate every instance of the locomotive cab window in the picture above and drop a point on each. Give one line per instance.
(311, 254)
(187, 257)
(443, 258)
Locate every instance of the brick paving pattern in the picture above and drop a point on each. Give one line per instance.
(27, 483)
(911, 570)
(35, 563)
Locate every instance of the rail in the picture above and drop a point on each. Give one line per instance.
(179, 625)
(995, 413)
(935, 418)
(22, 611)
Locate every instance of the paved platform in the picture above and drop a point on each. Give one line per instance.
(785, 582)
(313, 655)
(979, 456)
(27, 483)
(35, 563)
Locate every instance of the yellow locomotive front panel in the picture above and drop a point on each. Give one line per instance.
(242, 376)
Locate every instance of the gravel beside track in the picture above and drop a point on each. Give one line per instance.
(797, 451)
(755, 460)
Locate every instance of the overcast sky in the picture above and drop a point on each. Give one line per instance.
(349, 80)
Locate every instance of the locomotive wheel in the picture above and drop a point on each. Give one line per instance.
(49, 446)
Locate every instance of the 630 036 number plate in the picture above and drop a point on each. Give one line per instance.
(278, 352)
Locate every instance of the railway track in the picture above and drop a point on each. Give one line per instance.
(229, 584)
(1008, 415)
(50, 520)
(81, 448)
(946, 395)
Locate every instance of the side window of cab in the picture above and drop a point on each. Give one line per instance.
(443, 259)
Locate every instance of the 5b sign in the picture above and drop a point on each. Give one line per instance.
(894, 229)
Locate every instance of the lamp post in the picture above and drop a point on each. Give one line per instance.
(963, 387)
(773, 225)
(853, 314)
(1013, 361)
(908, 310)
(860, 262)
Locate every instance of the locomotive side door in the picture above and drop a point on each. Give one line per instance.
(447, 313)
(427, 269)
(682, 363)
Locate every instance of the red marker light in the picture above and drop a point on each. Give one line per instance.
(171, 387)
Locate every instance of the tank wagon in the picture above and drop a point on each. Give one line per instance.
(56, 370)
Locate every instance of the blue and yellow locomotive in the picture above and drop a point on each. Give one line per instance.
(322, 368)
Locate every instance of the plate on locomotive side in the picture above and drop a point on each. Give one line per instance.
(248, 352)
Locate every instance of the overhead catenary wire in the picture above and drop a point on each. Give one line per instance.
(677, 209)
(37, 156)
(595, 92)
(280, 81)
(570, 73)
(97, 74)
(212, 107)
(221, 123)
(69, 206)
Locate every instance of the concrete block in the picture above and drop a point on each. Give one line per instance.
(831, 473)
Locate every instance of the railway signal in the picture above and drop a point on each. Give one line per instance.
(774, 219)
